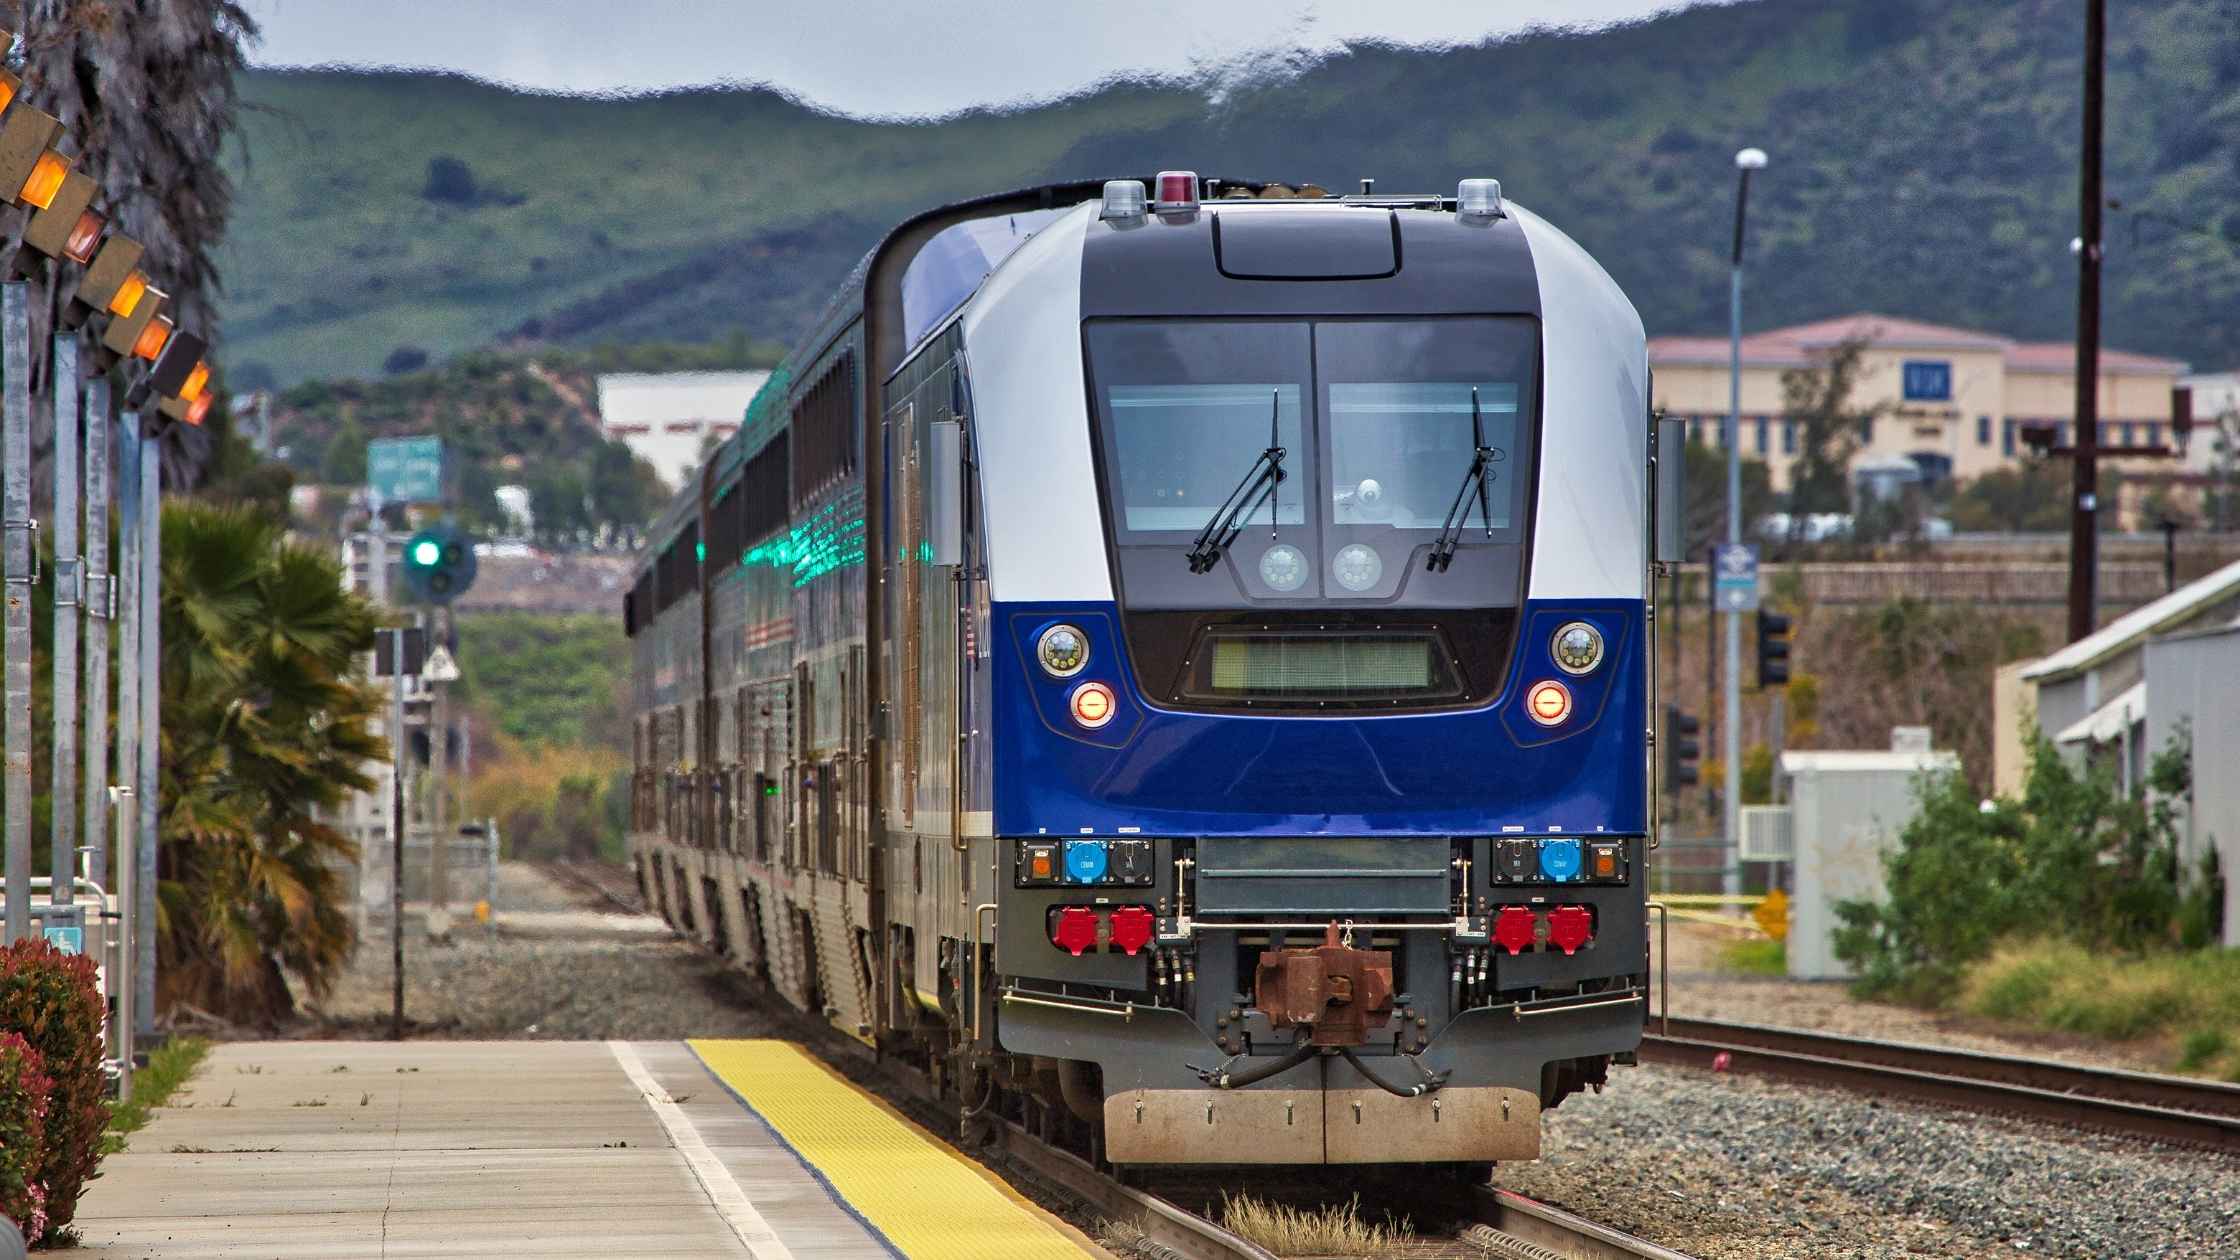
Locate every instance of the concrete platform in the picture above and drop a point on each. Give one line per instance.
(515, 1149)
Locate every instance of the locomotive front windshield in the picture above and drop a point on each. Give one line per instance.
(1375, 474)
(1375, 427)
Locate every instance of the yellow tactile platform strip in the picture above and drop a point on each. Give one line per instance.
(927, 1201)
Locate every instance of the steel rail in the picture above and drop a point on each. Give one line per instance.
(1550, 1231)
(1177, 1233)
(2138, 1104)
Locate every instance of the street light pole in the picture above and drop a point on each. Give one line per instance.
(2084, 538)
(1746, 161)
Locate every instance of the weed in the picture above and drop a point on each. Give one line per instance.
(364, 1099)
(2198, 1047)
(2191, 996)
(192, 1150)
(309, 1102)
(1334, 1229)
(339, 1067)
(230, 1097)
(1756, 957)
(168, 1069)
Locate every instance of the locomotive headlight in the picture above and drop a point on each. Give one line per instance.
(1063, 651)
(1577, 648)
(1357, 567)
(1283, 568)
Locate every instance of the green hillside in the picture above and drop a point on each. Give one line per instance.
(1923, 164)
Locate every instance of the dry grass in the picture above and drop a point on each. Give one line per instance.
(2193, 998)
(1333, 1230)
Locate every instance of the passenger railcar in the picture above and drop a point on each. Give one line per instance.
(1182, 665)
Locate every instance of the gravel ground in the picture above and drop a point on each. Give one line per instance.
(1724, 1166)
(1702, 990)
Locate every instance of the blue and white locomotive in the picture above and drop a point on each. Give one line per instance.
(1174, 657)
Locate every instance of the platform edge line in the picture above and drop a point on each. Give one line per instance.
(731, 1203)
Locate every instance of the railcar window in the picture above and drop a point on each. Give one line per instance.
(1180, 450)
(1396, 448)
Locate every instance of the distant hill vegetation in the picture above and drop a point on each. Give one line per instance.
(1923, 164)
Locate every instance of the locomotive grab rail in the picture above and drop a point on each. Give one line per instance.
(1519, 1010)
(1127, 1012)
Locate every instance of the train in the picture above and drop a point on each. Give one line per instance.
(1172, 660)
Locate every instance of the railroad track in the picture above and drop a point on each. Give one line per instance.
(2178, 1110)
(599, 880)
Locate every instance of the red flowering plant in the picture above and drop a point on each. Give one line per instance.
(24, 1091)
(48, 999)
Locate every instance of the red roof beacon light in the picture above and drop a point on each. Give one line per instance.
(1178, 191)
(1131, 929)
(1074, 930)
(1569, 927)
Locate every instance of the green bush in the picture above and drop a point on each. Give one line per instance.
(25, 1091)
(48, 998)
(2075, 859)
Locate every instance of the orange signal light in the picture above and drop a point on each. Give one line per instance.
(46, 179)
(9, 86)
(200, 408)
(197, 381)
(84, 238)
(128, 295)
(1092, 704)
(150, 342)
(1548, 702)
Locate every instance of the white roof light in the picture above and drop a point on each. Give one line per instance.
(1480, 197)
(1123, 199)
(1751, 159)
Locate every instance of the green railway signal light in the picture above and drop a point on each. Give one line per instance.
(439, 564)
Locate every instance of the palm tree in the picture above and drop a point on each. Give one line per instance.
(266, 721)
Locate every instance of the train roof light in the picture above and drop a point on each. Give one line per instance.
(1178, 190)
(1479, 198)
(1123, 199)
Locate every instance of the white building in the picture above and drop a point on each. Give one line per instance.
(670, 419)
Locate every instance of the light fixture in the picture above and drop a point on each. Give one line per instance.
(84, 238)
(45, 180)
(1357, 567)
(180, 356)
(1548, 702)
(151, 340)
(1093, 705)
(54, 227)
(198, 380)
(117, 259)
(1063, 651)
(122, 336)
(1577, 647)
(126, 299)
(26, 142)
(10, 82)
(1283, 568)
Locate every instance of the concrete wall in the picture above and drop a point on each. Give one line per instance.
(2191, 681)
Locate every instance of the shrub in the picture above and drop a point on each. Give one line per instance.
(25, 1091)
(49, 999)
(2075, 858)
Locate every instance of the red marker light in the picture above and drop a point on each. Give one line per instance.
(1548, 702)
(1569, 927)
(1092, 704)
(1178, 190)
(1074, 930)
(1513, 928)
(1131, 929)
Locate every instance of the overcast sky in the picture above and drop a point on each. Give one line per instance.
(872, 56)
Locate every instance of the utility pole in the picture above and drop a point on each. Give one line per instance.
(69, 596)
(2083, 523)
(124, 809)
(399, 755)
(21, 574)
(439, 739)
(146, 792)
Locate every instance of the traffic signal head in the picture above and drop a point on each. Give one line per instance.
(1773, 650)
(439, 564)
(1682, 748)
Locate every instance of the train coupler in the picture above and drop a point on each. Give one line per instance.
(1337, 992)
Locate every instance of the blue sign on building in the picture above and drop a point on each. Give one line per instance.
(1928, 380)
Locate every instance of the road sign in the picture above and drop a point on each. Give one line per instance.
(439, 667)
(1734, 569)
(405, 470)
(70, 938)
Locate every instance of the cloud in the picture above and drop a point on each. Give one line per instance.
(882, 57)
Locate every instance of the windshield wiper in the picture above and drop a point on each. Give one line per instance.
(1480, 475)
(1228, 520)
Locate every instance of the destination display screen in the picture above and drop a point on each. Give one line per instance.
(1306, 666)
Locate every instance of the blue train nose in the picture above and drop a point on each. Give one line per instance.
(1560, 859)
(1086, 861)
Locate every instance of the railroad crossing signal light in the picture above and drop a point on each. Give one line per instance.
(1682, 748)
(1773, 650)
(439, 564)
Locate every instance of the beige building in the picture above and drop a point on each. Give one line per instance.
(1959, 399)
